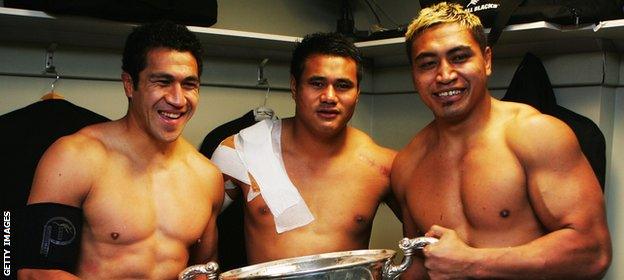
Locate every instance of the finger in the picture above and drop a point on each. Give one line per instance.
(436, 231)
(427, 253)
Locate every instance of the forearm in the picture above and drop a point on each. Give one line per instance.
(34, 274)
(563, 254)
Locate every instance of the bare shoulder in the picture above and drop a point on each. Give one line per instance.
(365, 143)
(206, 173)
(68, 168)
(200, 164)
(533, 134)
(416, 147)
(86, 146)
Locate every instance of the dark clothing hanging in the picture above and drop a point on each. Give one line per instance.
(531, 85)
(232, 253)
(27, 133)
(214, 137)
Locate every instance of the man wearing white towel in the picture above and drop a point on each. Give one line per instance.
(312, 184)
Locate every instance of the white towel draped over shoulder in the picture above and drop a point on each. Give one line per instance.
(258, 151)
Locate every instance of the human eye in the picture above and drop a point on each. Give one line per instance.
(316, 83)
(426, 64)
(344, 85)
(161, 81)
(460, 57)
(190, 85)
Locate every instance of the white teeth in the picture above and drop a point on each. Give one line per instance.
(449, 93)
(171, 115)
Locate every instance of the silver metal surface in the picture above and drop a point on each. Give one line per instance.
(209, 269)
(348, 265)
(359, 264)
(408, 246)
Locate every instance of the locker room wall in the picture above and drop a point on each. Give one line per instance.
(391, 117)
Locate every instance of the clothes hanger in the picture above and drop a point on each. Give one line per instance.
(263, 112)
(52, 94)
(51, 69)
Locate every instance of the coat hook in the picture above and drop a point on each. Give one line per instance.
(49, 59)
(261, 79)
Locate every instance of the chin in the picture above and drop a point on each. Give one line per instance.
(332, 129)
(168, 137)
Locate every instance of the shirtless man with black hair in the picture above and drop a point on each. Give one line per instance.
(311, 183)
(130, 198)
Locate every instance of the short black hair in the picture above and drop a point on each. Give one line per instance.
(161, 34)
(324, 43)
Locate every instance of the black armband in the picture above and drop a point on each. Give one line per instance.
(51, 236)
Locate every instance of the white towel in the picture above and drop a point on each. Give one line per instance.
(258, 151)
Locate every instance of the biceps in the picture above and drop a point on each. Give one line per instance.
(565, 195)
(59, 178)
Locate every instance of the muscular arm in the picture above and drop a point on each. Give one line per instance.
(398, 178)
(62, 176)
(35, 274)
(566, 198)
(206, 250)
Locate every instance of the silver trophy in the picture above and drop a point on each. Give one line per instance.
(348, 265)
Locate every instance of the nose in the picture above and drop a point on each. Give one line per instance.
(329, 95)
(175, 96)
(446, 73)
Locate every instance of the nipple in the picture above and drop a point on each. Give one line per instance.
(264, 210)
(504, 213)
(359, 219)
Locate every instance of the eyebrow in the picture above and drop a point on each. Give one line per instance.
(160, 76)
(317, 78)
(167, 76)
(321, 78)
(424, 55)
(343, 80)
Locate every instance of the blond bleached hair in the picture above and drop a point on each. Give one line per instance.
(440, 13)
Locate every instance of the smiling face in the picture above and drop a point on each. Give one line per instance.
(326, 94)
(167, 93)
(450, 71)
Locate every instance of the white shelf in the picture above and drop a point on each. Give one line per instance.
(537, 37)
(26, 26)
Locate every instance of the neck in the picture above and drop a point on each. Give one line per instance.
(469, 124)
(305, 141)
(143, 144)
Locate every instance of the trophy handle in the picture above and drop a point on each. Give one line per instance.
(408, 246)
(209, 269)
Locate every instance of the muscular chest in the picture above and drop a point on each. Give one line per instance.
(127, 207)
(481, 188)
(342, 197)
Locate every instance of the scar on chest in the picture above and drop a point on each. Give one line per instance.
(382, 169)
(504, 213)
(114, 235)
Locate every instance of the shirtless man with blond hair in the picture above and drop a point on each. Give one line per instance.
(505, 188)
(130, 198)
(317, 187)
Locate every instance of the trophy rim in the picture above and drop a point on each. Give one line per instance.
(288, 267)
